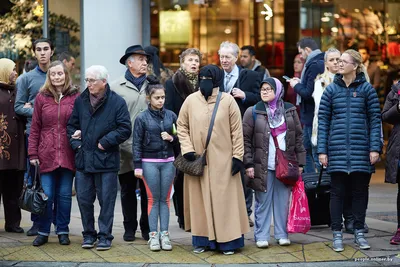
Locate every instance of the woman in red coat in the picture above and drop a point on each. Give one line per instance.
(48, 147)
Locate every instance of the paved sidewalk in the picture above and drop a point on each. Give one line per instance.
(315, 246)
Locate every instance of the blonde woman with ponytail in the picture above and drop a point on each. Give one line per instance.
(349, 142)
(331, 60)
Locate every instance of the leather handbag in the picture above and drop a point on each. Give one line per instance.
(196, 167)
(33, 199)
(286, 170)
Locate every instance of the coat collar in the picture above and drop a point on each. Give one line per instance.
(360, 78)
(260, 107)
(124, 82)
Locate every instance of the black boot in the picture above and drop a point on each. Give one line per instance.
(64, 239)
(40, 240)
(14, 229)
(34, 230)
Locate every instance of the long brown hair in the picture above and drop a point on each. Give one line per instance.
(48, 87)
(358, 60)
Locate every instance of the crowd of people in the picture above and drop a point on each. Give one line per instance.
(237, 116)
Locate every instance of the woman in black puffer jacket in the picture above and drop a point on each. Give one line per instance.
(349, 142)
(153, 156)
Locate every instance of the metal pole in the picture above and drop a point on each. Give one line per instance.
(146, 29)
(45, 19)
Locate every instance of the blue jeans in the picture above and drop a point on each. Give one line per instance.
(57, 185)
(158, 180)
(104, 185)
(312, 161)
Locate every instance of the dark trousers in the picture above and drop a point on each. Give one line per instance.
(104, 185)
(358, 184)
(398, 199)
(11, 182)
(347, 207)
(128, 183)
(178, 198)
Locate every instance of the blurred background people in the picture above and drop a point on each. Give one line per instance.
(290, 95)
(155, 66)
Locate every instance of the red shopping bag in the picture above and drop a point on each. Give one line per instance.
(299, 214)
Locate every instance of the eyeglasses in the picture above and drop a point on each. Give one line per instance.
(266, 90)
(344, 62)
(91, 81)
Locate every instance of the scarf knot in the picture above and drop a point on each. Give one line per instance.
(138, 82)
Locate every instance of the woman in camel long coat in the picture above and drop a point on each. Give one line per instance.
(215, 209)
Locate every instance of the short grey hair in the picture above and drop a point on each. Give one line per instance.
(329, 51)
(231, 45)
(99, 72)
(131, 58)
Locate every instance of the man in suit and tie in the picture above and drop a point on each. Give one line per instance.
(244, 86)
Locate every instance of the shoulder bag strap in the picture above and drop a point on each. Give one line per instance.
(317, 189)
(213, 119)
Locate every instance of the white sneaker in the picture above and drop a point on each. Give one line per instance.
(262, 244)
(154, 241)
(284, 242)
(165, 242)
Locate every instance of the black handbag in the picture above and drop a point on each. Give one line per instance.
(196, 167)
(33, 199)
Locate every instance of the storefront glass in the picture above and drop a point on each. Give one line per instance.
(21, 23)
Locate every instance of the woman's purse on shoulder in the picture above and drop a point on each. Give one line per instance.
(33, 199)
(196, 167)
(286, 170)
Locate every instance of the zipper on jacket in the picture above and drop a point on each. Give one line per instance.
(59, 135)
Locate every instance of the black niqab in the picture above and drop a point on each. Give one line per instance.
(210, 76)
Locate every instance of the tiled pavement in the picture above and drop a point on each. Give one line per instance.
(315, 246)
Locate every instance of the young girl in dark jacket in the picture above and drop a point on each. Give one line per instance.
(49, 148)
(153, 157)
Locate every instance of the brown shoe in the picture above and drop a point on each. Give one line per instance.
(251, 223)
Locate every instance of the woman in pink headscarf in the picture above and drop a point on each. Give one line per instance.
(291, 95)
(270, 119)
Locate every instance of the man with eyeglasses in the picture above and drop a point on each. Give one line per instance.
(99, 123)
(131, 87)
(304, 88)
(244, 86)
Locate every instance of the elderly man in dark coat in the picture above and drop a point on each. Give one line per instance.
(99, 123)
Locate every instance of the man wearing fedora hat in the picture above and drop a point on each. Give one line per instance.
(131, 87)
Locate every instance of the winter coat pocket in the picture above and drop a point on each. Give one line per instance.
(103, 159)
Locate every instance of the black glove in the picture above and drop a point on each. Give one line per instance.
(237, 165)
(191, 156)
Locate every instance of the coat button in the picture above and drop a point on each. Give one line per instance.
(16, 136)
(13, 117)
(10, 101)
